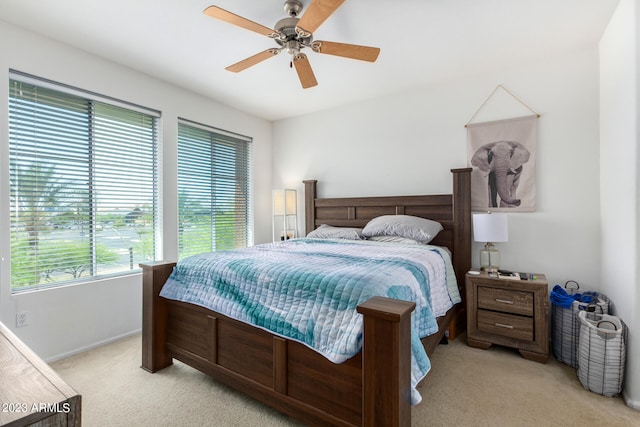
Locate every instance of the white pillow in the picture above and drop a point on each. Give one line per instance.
(330, 232)
(410, 227)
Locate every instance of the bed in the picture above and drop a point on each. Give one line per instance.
(371, 388)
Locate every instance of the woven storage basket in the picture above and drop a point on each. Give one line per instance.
(564, 321)
(601, 353)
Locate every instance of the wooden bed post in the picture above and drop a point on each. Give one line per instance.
(309, 208)
(154, 316)
(386, 362)
(461, 242)
(462, 221)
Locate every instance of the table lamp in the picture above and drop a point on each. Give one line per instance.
(489, 228)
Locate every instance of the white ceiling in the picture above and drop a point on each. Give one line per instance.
(422, 42)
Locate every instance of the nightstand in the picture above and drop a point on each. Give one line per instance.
(509, 312)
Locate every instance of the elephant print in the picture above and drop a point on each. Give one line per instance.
(503, 161)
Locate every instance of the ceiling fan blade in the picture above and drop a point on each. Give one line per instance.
(252, 60)
(353, 51)
(305, 73)
(317, 12)
(232, 18)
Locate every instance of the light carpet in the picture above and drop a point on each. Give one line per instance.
(466, 387)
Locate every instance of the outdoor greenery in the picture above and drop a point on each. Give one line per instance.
(53, 238)
(196, 227)
(51, 258)
(51, 234)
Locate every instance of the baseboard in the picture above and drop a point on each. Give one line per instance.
(92, 346)
(630, 403)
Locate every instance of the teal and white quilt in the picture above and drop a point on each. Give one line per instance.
(307, 290)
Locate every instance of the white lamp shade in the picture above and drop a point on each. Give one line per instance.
(284, 202)
(490, 227)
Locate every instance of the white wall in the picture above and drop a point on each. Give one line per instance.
(619, 178)
(406, 143)
(69, 319)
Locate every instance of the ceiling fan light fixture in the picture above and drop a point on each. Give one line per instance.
(293, 47)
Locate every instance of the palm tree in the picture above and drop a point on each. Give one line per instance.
(35, 195)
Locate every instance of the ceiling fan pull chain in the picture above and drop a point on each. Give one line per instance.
(290, 64)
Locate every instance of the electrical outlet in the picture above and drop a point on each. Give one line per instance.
(22, 319)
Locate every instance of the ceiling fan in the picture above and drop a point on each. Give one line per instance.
(294, 34)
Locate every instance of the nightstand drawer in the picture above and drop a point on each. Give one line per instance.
(507, 325)
(505, 300)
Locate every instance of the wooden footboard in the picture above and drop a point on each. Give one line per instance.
(372, 388)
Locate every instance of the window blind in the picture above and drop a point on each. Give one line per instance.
(83, 186)
(213, 189)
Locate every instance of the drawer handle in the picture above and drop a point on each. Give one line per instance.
(502, 325)
(504, 301)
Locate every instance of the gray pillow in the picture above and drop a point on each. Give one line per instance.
(330, 232)
(410, 227)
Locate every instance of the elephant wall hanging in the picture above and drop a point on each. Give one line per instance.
(503, 157)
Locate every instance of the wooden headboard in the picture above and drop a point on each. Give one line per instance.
(453, 211)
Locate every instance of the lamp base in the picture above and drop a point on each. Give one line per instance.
(489, 258)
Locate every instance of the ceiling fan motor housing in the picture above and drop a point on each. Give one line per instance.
(286, 28)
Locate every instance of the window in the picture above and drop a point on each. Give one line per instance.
(83, 184)
(213, 189)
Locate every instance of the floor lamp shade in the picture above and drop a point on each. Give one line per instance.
(490, 228)
(284, 214)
